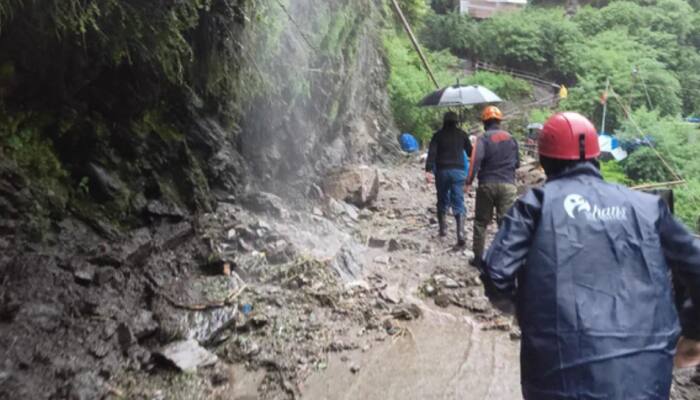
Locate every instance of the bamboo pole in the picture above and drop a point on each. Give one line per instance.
(409, 31)
(658, 185)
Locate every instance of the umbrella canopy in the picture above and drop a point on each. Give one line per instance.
(457, 96)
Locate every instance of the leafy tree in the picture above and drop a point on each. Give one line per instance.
(674, 17)
(644, 166)
(616, 55)
(453, 31)
(414, 10)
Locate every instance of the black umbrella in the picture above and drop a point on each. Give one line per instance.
(457, 96)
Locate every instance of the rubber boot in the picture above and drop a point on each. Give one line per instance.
(459, 218)
(443, 224)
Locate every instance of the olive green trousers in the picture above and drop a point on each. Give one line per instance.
(489, 197)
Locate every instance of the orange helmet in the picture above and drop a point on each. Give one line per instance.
(491, 112)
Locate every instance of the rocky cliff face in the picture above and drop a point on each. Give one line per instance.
(326, 104)
(257, 93)
(126, 129)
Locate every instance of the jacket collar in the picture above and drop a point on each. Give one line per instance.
(579, 169)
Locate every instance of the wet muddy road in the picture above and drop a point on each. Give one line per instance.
(442, 356)
(445, 354)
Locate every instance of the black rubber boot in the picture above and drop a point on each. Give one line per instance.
(460, 230)
(443, 224)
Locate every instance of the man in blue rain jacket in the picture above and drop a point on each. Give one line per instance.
(587, 265)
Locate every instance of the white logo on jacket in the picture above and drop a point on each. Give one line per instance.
(575, 204)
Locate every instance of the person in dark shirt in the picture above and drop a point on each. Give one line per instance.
(495, 159)
(446, 161)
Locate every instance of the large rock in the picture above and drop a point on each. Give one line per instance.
(358, 185)
(264, 202)
(188, 355)
(200, 325)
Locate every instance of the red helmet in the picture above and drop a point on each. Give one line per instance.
(569, 136)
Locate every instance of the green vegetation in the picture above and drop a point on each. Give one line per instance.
(648, 50)
(409, 83)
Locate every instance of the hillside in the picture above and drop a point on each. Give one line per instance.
(646, 53)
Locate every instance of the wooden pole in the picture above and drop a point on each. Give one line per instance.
(658, 185)
(409, 31)
(605, 105)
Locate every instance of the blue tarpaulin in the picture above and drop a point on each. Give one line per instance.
(408, 142)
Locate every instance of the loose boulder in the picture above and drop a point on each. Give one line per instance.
(188, 355)
(357, 185)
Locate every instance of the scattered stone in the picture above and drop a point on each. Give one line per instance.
(391, 327)
(474, 281)
(515, 333)
(382, 260)
(357, 285)
(442, 300)
(391, 294)
(245, 246)
(357, 185)
(407, 312)
(315, 192)
(169, 237)
(110, 328)
(138, 247)
(109, 275)
(143, 325)
(347, 262)
(354, 368)
(99, 348)
(46, 317)
(102, 185)
(376, 242)
(222, 376)
(265, 203)
(85, 273)
(445, 282)
(187, 355)
(477, 305)
(498, 324)
(468, 254)
(365, 214)
(394, 245)
(429, 290)
(279, 252)
(85, 386)
(139, 356)
(125, 336)
(248, 347)
(352, 212)
(231, 234)
(156, 208)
